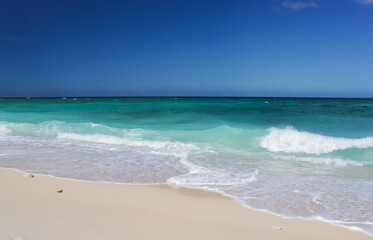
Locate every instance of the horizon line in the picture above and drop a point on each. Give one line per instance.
(181, 96)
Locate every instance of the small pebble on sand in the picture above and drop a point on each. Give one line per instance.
(28, 175)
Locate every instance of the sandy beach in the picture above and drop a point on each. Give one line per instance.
(34, 208)
(186, 120)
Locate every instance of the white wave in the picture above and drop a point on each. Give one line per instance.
(213, 177)
(106, 139)
(99, 134)
(322, 160)
(193, 168)
(290, 140)
(4, 130)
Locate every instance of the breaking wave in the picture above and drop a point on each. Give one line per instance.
(91, 132)
(290, 140)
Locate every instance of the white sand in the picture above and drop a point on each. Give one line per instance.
(31, 208)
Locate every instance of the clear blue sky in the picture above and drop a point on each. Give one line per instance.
(191, 47)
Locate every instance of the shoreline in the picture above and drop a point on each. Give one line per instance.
(176, 186)
(31, 208)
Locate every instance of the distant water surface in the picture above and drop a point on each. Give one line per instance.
(309, 158)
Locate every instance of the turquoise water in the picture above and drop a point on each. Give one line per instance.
(310, 158)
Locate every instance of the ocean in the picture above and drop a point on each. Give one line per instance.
(307, 158)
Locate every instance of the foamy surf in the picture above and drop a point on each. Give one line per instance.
(291, 140)
(322, 160)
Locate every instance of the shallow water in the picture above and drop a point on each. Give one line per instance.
(294, 157)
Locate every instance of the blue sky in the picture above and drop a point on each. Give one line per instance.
(185, 48)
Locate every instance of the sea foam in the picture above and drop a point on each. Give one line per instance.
(105, 139)
(323, 160)
(91, 132)
(290, 140)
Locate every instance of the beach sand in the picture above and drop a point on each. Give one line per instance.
(31, 208)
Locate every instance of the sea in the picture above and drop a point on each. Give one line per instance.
(308, 158)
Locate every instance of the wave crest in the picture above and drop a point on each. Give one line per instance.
(96, 133)
(290, 140)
